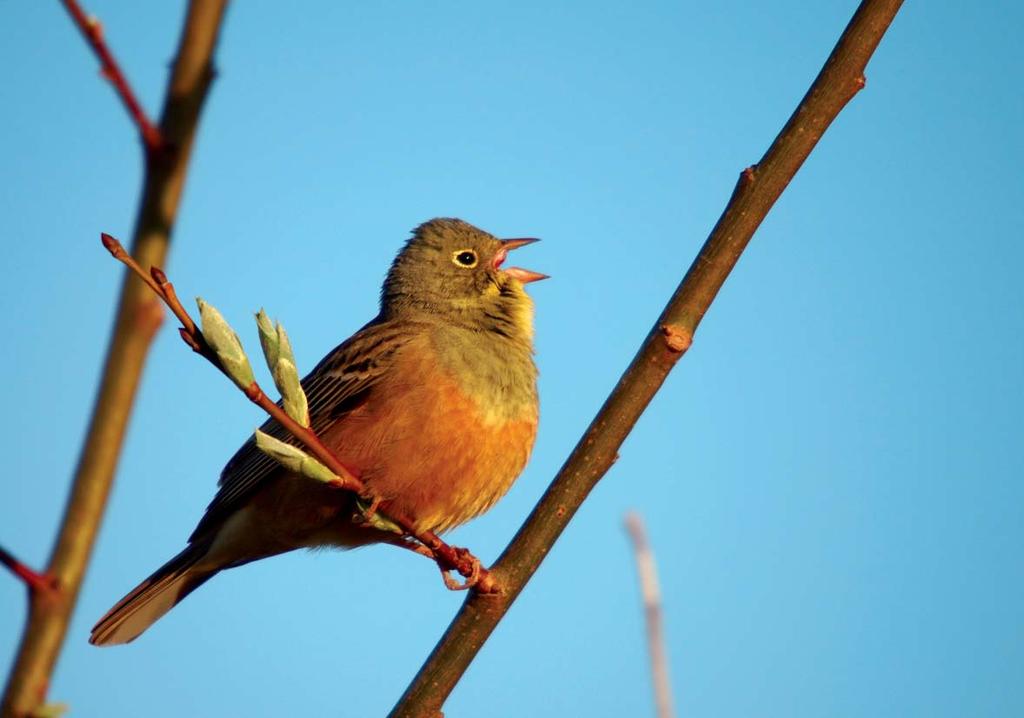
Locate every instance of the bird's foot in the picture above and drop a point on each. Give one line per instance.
(368, 515)
(477, 577)
(451, 559)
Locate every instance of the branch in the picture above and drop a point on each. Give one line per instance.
(651, 594)
(138, 317)
(447, 557)
(758, 188)
(92, 31)
(35, 581)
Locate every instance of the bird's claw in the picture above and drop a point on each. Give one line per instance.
(475, 572)
(477, 577)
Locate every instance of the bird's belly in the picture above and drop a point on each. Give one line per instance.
(438, 456)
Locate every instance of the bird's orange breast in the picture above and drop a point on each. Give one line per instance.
(434, 451)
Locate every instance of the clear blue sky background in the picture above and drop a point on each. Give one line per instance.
(832, 477)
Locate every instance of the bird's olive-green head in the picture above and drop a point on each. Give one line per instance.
(451, 270)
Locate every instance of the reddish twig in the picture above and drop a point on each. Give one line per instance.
(92, 31)
(447, 557)
(651, 595)
(36, 582)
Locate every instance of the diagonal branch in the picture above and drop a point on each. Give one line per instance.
(138, 316)
(651, 594)
(92, 31)
(756, 191)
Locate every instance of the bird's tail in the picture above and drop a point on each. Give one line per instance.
(154, 597)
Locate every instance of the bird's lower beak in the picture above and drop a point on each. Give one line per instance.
(523, 275)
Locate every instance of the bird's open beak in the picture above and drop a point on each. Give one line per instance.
(523, 275)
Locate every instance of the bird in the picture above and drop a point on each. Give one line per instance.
(433, 404)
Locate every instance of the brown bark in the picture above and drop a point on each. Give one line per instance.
(757, 190)
(138, 317)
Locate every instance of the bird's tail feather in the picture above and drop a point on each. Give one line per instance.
(152, 598)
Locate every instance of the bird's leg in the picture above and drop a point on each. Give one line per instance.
(37, 583)
(370, 511)
(411, 544)
(365, 513)
(476, 570)
(448, 559)
(455, 558)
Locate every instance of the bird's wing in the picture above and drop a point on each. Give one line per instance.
(339, 383)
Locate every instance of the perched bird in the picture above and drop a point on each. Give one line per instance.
(433, 404)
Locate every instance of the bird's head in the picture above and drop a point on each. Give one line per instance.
(452, 270)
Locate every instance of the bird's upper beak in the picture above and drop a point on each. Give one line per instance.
(523, 275)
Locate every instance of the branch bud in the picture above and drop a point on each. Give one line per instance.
(281, 362)
(294, 458)
(226, 345)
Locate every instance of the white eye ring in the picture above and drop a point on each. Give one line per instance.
(465, 258)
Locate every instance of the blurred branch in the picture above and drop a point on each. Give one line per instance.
(755, 193)
(138, 317)
(447, 557)
(35, 581)
(648, 574)
(92, 31)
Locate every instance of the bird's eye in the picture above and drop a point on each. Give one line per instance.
(465, 258)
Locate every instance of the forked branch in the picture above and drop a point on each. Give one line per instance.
(138, 316)
(35, 581)
(756, 191)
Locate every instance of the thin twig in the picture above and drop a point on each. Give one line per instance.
(92, 31)
(755, 193)
(35, 581)
(651, 595)
(138, 317)
(447, 557)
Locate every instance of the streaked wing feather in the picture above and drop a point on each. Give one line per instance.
(339, 383)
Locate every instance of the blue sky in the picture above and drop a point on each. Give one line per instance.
(831, 478)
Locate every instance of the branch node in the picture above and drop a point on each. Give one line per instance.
(166, 290)
(677, 338)
(190, 340)
(744, 182)
(36, 582)
(487, 584)
(158, 274)
(254, 392)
